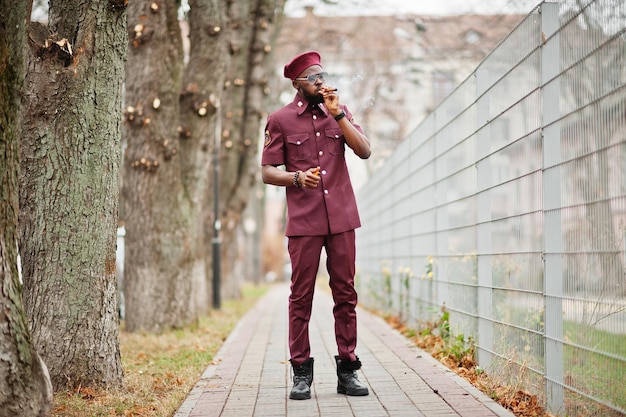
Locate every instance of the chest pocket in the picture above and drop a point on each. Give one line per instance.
(299, 146)
(334, 141)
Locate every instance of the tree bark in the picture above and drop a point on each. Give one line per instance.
(203, 84)
(157, 208)
(253, 25)
(25, 388)
(69, 184)
(168, 197)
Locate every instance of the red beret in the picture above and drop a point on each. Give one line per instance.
(300, 63)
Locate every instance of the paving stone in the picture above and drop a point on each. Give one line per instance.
(251, 375)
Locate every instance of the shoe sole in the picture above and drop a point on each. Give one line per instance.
(361, 393)
(300, 397)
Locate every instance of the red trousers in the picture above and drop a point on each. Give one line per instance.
(305, 254)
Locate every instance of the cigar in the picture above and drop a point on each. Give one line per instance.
(327, 90)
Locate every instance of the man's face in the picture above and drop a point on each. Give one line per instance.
(307, 90)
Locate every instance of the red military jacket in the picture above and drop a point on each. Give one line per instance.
(301, 136)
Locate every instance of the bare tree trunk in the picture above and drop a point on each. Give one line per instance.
(253, 25)
(157, 208)
(173, 117)
(69, 184)
(202, 92)
(25, 388)
(604, 269)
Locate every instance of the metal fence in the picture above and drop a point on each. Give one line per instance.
(508, 206)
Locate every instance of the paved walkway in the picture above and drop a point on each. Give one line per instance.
(250, 375)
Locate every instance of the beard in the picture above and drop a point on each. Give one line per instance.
(312, 98)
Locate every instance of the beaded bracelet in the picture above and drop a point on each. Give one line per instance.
(296, 183)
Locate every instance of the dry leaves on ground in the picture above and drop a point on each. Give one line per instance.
(519, 402)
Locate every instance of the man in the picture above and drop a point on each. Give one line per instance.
(308, 136)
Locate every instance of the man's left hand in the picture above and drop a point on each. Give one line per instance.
(331, 100)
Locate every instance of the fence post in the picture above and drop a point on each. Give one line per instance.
(483, 221)
(442, 221)
(552, 233)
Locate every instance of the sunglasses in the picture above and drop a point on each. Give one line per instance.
(312, 78)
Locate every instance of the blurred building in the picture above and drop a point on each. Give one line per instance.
(391, 71)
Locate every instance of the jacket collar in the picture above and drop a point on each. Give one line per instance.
(302, 104)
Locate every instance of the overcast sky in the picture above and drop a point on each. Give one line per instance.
(424, 7)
